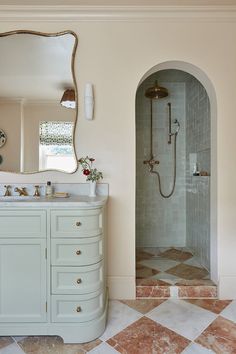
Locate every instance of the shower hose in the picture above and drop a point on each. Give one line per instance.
(174, 177)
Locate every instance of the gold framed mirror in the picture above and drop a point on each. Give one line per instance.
(38, 101)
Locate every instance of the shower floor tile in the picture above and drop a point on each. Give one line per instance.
(188, 272)
(141, 255)
(144, 272)
(176, 255)
(159, 269)
(159, 263)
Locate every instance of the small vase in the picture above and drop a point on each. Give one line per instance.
(92, 188)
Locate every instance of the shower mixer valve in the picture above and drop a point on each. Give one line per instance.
(151, 162)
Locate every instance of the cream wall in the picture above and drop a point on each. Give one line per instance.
(114, 56)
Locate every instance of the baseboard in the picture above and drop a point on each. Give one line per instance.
(121, 287)
(227, 288)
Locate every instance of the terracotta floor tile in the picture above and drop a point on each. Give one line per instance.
(144, 272)
(143, 306)
(141, 255)
(177, 255)
(54, 345)
(4, 341)
(187, 271)
(220, 336)
(146, 336)
(215, 306)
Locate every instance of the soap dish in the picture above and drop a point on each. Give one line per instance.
(61, 195)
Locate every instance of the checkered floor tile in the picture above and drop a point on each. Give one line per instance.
(146, 327)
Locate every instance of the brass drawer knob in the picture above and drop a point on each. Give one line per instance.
(78, 309)
(78, 223)
(78, 252)
(79, 280)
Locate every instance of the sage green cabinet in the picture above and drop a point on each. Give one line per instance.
(22, 280)
(52, 278)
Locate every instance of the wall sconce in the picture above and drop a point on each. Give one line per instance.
(88, 101)
(68, 99)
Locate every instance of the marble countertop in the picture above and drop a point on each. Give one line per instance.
(71, 201)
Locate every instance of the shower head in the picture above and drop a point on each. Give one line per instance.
(156, 92)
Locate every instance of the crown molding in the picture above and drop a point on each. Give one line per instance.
(116, 13)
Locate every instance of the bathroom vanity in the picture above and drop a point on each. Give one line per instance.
(52, 271)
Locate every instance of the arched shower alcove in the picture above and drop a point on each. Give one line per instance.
(169, 230)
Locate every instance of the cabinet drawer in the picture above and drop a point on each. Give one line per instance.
(76, 223)
(77, 308)
(23, 223)
(73, 252)
(77, 280)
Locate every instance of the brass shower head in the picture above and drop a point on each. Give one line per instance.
(156, 92)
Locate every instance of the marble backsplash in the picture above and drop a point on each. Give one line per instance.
(74, 189)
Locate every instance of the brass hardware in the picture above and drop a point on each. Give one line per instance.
(78, 252)
(78, 309)
(78, 223)
(151, 162)
(7, 191)
(22, 191)
(156, 92)
(79, 281)
(37, 193)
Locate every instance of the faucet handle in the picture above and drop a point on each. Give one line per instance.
(7, 191)
(24, 191)
(37, 193)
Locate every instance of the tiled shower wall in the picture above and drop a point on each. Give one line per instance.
(160, 222)
(198, 145)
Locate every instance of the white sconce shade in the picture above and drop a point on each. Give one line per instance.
(88, 101)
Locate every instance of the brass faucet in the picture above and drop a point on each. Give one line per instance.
(22, 191)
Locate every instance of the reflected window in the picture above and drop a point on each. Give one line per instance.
(55, 145)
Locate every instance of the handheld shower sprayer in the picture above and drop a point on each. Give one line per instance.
(177, 126)
(170, 133)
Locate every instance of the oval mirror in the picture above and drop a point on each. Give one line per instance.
(38, 101)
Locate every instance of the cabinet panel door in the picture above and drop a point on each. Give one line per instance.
(22, 280)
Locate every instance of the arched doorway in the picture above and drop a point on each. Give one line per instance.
(185, 222)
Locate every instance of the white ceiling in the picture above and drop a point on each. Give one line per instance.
(121, 2)
(35, 67)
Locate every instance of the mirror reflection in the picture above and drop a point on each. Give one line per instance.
(38, 105)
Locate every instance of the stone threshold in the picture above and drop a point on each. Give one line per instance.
(173, 291)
